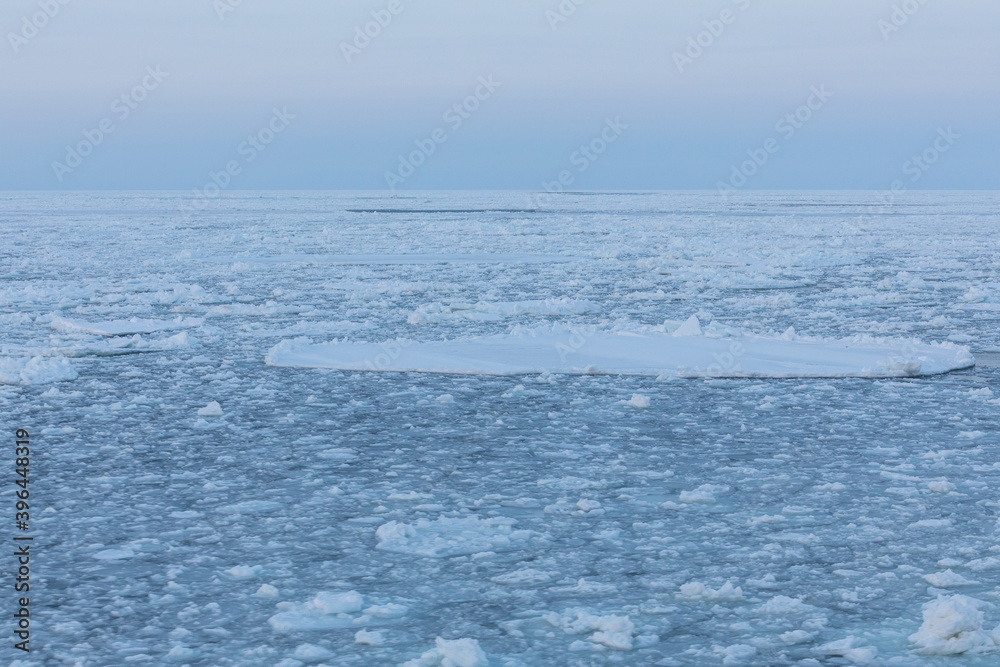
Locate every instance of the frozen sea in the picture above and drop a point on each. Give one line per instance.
(194, 505)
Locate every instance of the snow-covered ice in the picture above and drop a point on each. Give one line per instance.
(452, 653)
(675, 430)
(213, 409)
(450, 536)
(954, 625)
(688, 355)
(133, 325)
(36, 370)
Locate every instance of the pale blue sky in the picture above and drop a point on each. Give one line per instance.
(892, 92)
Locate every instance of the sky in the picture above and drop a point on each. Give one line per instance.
(499, 94)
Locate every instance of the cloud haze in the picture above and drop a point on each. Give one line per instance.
(701, 87)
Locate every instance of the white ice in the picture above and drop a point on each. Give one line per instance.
(133, 325)
(558, 350)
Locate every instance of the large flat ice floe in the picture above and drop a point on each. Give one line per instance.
(684, 353)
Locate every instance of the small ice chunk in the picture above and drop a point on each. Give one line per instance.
(244, 571)
(585, 505)
(337, 603)
(251, 507)
(947, 579)
(638, 401)
(449, 536)
(796, 636)
(114, 554)
(691, 327)
(697, 591)
(409, 495)
(310, 653)
(213, 409)
(523, 577)
(704, 495)
(614, 632)
(831, 486)
(326, 611)
(267, 591)
(782, 605)
(737, 654)
(931, 523)
(620, 641)
(182, 654)
(461, 653)
(941, 486)
(388, 610)
(848, 649)
(452, 653)
(368, 638)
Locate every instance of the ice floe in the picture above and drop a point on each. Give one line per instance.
(449, 536)
(954, 625)
(127, 327)
(368, 638)
(737, 654)
(697, 591)
(848, 649)
(213, 409)
(638, 401)
(947, 579)
(617, 632)
(559, 350)
(36, 370)
(105, 347)
(332, 611)
(452, 653)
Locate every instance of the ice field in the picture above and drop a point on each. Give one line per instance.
(469, 429)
